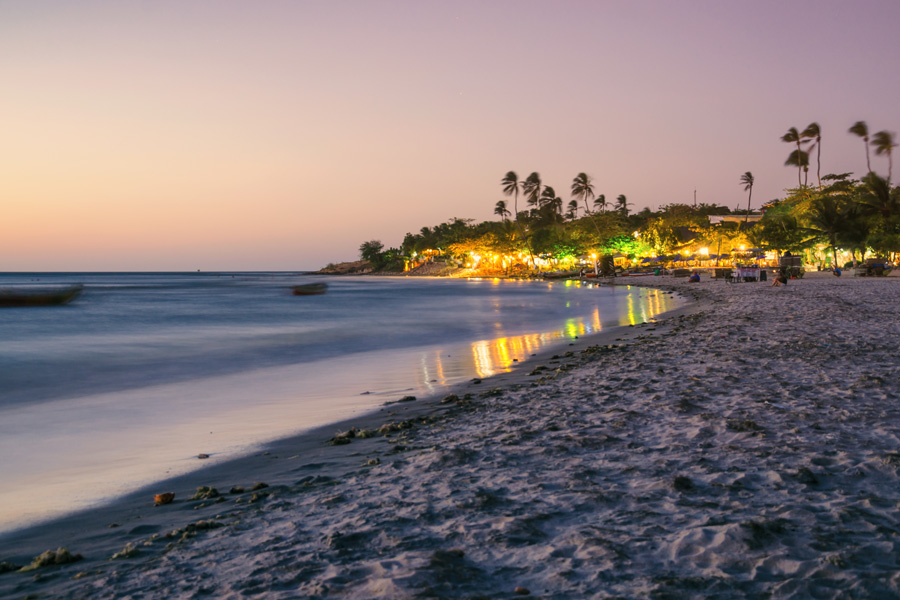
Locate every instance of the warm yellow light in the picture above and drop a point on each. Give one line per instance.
(743, 247)
(704, 251)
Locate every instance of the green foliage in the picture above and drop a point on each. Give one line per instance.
(373, 251)
(625, 244)
(370, 250)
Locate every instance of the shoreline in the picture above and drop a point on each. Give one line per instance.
(748, 446)
(332, 391)
(309, 443)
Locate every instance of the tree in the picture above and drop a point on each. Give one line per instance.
(531, 188)
(572, 213)
(510, 183)
(549, 198)
(622, 204)
(798, 158)
(371, 251)
(827, 221)
(583, 188)
(813, 132)
(747, 181)
(862, 130)
(884, 144)
(600, 202)
(878, 199)
(500, 209)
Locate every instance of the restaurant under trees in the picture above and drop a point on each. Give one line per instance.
(838, 220)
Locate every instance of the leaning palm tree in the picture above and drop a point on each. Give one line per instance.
(531, 189)
(500, 209)
(814, 132)
(884, 144)
(572, 213)
(549, 197)
(622, 203)
(793, 137)
(747, 181)
(600, 202)
(583, 188)
(799, 159)
(510, 183)
(862, 130)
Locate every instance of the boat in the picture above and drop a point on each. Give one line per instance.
(309, 289)
(39, 297)
(560, 274)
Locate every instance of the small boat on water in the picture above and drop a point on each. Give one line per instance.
(309, 289)
(39, 297)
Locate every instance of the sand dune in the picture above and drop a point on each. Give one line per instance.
(748, 447)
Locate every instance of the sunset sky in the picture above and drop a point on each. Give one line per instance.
(279, 135)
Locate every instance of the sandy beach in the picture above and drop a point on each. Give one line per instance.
(746, 446)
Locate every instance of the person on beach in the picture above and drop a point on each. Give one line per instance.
(694, 278)
(837, 271)
(780, 279)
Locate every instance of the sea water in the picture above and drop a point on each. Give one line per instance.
(144, 371)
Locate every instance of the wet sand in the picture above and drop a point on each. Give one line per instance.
(747, 446)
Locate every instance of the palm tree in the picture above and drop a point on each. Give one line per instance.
(796, 157)
(600, 202)
(500, 209)
(510, 183)
(531, 188)
(549, 197)
(862, 130)
(877, 198)
(799, 159)
(747, 181)
(884, 144)
(572, 213)
(622, 203)
(583, 188)
(814, 132)
(827, 220)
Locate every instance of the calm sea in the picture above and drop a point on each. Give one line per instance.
(130, 382)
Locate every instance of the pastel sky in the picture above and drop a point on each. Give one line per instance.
(279, 135)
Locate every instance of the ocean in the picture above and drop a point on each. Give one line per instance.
(144, 371)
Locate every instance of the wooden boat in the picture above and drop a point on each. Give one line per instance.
(38, 297)
(309, 289)
(560, 274)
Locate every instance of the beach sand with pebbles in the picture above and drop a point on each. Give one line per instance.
(747, 446)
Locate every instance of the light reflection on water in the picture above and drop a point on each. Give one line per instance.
(493, 356)
(73, 452)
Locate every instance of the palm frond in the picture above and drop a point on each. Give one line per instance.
(860, 128)
(792, 136)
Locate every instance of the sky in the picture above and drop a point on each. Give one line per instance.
(140, 135)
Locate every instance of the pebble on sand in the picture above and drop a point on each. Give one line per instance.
(164, 498)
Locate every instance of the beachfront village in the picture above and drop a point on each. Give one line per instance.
(829, 220)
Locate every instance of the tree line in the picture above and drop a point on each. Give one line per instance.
(860, 215)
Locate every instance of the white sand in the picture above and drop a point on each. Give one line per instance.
(747, 449)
